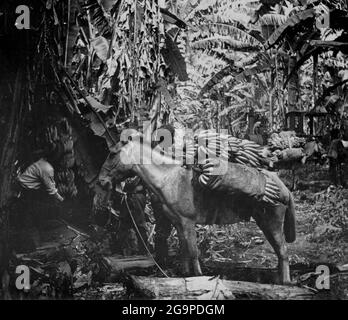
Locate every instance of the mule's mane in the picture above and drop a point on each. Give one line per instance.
(156, 157)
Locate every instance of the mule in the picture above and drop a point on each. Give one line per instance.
(186, 204)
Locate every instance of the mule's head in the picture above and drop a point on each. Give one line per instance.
(118, 165)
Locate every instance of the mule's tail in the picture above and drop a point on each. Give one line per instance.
(290, 221)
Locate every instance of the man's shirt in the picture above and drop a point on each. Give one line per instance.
(39, 175)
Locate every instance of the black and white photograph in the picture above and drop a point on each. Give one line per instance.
(173, 156)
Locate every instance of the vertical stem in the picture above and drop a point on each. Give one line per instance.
(135, 57)
(91, 37)
(293, 85)
(271, 111)
(315, 80)
(67, 36)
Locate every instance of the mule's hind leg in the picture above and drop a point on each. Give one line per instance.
(162, 232)
(271, 222)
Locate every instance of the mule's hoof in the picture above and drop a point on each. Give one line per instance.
(285, 282)
(288, 283)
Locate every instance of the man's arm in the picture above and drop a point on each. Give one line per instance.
(47, 177)
(58, 197)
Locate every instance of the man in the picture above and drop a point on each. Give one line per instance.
(37, 192)
(38, 180)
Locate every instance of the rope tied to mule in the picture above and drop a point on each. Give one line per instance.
(125, 199)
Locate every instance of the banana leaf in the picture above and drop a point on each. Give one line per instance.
(293, 21)
(101, 47)
(218, 77)
(173, 58)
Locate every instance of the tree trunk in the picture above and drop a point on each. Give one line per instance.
(7, 164)
(315, 80)
(271, 110)
(293, 86)
(9, 147)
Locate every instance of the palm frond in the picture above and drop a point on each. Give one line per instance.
(229, 16)
(218, 77)
(99, 17)
(259, 63)
(272, 19)
(224, 41)
(237, 33)
(259, 68)
(222, 55)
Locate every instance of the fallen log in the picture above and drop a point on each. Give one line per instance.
(213, 288)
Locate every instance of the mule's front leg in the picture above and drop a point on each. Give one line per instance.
(192, 249)
(183, 250)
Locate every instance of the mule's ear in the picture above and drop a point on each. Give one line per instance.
(108, 185)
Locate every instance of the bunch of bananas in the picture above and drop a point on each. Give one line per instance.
(58, 139)
(285, 140)
(211, 168)
(236, 150)
(66, 183)
(209, 145)
(271, 192)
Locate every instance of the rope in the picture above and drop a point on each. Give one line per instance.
(125, 198)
